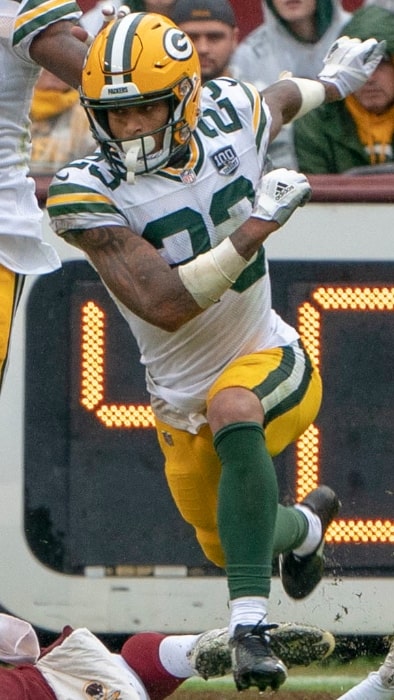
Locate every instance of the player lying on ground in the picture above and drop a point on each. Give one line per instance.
(150, 666)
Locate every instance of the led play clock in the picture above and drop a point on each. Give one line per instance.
(95, 493)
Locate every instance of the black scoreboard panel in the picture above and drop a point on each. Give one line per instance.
(95, 492)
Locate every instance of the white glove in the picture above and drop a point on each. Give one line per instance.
(109, 12)
(350, 62)
(279, 193)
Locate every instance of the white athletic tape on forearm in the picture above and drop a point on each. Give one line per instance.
(210, 274)
(313, 95)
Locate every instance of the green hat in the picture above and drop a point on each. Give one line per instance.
(372, 23)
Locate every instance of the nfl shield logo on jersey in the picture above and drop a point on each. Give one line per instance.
(225, 160)
(188, 177)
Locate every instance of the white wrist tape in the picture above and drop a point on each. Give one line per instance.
(210, 274)
(313, 95)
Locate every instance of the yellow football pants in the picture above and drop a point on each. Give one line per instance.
(290, 391)
(10, 288)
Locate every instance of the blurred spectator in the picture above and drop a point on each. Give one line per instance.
(360, 130)
(60, 130)
(294, 37)
(211, 25)
(93, 19)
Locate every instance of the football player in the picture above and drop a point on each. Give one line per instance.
(172, 211)
(150, 665)
(32, 34)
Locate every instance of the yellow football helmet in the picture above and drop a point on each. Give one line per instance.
(140, 59)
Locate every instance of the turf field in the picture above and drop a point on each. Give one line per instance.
(325, 681)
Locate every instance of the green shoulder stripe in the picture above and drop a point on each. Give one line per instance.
(65, 199)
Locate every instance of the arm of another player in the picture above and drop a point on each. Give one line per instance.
(60, 48)
(74, 40)
(347, 66)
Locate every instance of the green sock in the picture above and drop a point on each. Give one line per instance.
(248, 501)
(291, 529)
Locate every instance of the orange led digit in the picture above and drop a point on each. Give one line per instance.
(311, 316)
(91, 457)
(93, 357)
(310, 321)
(355, 299)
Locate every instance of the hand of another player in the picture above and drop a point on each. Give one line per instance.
(350, 62)
(279, 193)
(109, 12)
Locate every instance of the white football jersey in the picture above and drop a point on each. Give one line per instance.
(182, 213)
(21, 245)
(82, 667)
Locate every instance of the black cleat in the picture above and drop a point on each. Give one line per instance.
(253, 662)
(300, 575)
(295, 643)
